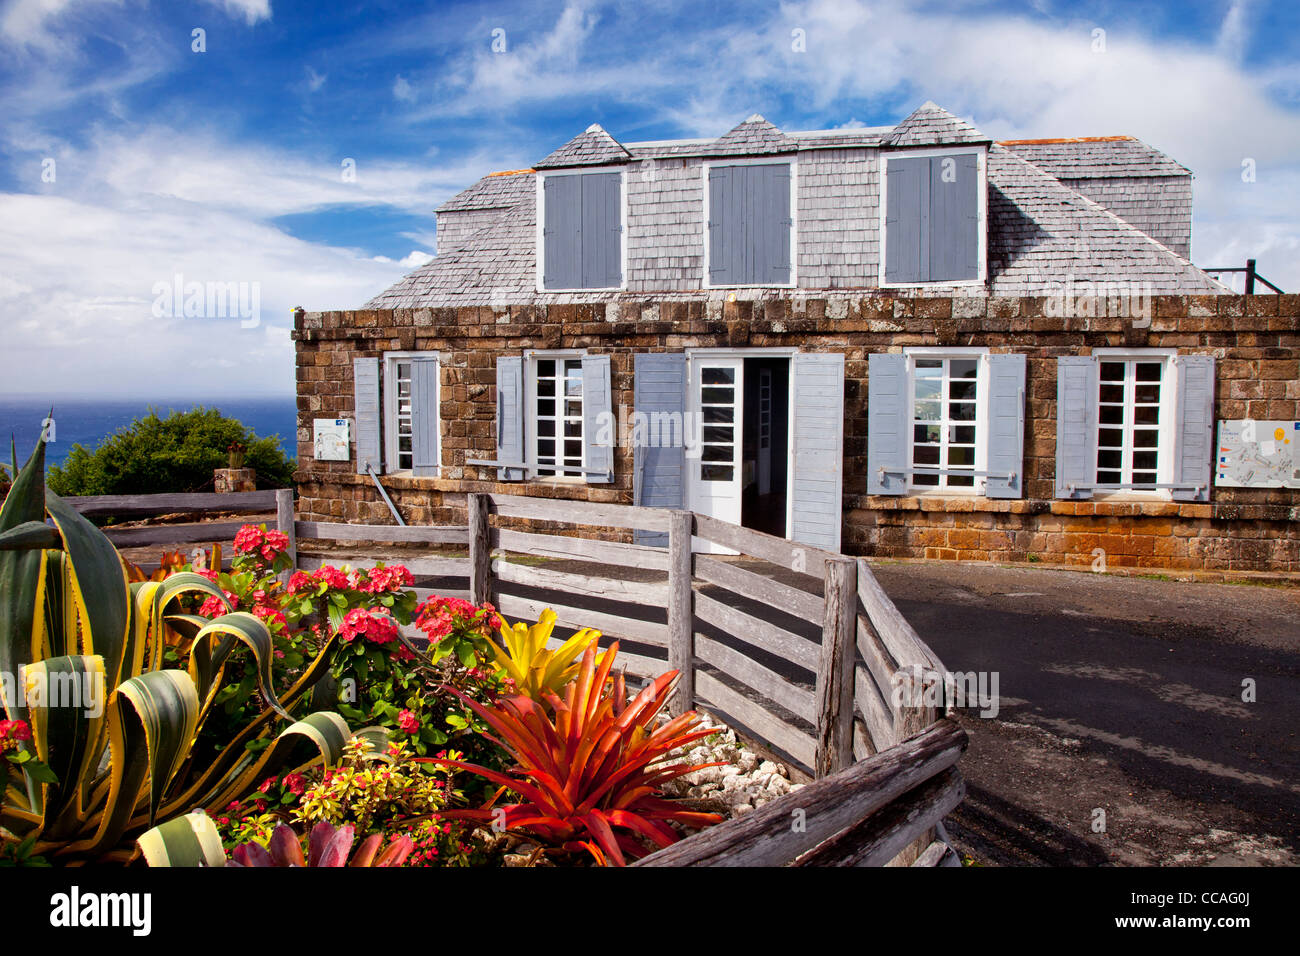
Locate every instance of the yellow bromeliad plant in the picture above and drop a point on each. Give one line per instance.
(108, 731)
(535, 669)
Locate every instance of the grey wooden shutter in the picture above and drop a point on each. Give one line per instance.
(598, 425)
(510, 415)
(954, 219)
(424, 417)
(889, 415)
(1194, 426)
(659, 466)
(817, 485)
(562, 232)
(771, 205)
(365, 390)
(907, 220)
(601, 232)
(1006, 417)
(1076, 425)
(721, 268)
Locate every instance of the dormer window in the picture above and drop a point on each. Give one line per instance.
(581, 231)
(750, 227)
(933, 212)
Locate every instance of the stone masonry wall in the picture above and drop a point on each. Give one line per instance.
(1255, 340)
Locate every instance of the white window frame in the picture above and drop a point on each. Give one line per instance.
(1167, 447)
(981, 357)
(982, 199)
(774, 160)
(540, 248)
(390, 419)
(531, 358)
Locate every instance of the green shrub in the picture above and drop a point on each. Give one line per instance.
(178, 453)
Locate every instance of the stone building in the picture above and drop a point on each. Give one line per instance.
(906, 342)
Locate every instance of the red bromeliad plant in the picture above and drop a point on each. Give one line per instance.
(327, 845)
(590, 767)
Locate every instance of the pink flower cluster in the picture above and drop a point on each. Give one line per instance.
(438, 616)
(12, 733)
(372, 625)
(409, 723)
(252, 539)
(383, 580)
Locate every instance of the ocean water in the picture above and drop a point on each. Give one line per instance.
(90, 421)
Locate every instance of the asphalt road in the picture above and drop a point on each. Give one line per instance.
(1119, 695)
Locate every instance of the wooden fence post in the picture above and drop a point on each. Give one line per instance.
(681, 610)
(480, 549)
(835, 668)
(284, 522)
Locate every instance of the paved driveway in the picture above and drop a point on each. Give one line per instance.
(1121, 695)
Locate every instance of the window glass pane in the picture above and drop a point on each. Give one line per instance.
(1144, 460)
(546, 367)
(719, 433)
(1111, 414)
(960, 481)
(1146, 414)
(573, 408)
(717, 396)
(546, 386)
(546, 448)
(1108, 477)
(929, 366)
(962, 434)
(717, 472)
(1110, 437)
(546, 427)
(961, 455)
(1147, 393)
(1110, 458)
(1148, 371)
(927, 388)
(718, 453)
(1112, 371)
(961, 411)
(1145, 438)
(962, 388)
(572, 449)
(963, 368)
(1112, 393)
(925, 434)
(718, 376)
(546, 406)
(573, 429)
(926, 411)
(718, 413)
(927, 455)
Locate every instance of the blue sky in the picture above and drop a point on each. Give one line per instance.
(130, 158)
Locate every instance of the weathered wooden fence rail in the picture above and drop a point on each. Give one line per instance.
(798, 648)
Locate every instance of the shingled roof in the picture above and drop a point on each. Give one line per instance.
(1042, 232)
(932, 125)
(1096, 157)
(593, 147)
(754, 137)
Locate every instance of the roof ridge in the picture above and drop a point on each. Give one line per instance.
(1067, 139)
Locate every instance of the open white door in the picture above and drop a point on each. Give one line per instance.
(717, 390)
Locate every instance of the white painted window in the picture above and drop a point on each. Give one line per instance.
(1130, 421)
(409, 407)
(948, 431)
(555, 410)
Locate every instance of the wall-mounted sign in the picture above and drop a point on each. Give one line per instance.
(330, 439)
(1257, 454)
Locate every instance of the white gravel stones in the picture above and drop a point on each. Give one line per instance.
(744, 783)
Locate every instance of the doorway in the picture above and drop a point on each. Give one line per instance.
(742, 473)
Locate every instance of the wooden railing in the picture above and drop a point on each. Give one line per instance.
(170, 535)
(798, 649)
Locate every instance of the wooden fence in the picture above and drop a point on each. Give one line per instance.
(799, 649)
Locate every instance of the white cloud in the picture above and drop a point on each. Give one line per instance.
(402, 89)
(252, 11)
(315, 80)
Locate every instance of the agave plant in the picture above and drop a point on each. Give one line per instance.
(192, 840)
(81, 661)
(535, 669)
(590, 767)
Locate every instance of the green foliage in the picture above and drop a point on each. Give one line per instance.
(99, 741)
(178, 453)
